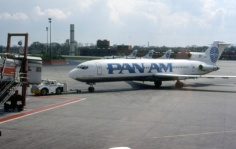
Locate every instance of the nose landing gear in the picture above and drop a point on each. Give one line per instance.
(91, 88)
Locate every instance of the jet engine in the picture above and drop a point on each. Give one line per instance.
(205, 67)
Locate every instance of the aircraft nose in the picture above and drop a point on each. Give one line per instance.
(72, 74)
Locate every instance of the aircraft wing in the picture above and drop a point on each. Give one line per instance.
(179, 76)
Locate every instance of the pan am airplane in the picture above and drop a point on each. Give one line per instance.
(150, 54)
(166, 55)
(156, 70)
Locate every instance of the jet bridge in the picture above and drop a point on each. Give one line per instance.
(17, 72)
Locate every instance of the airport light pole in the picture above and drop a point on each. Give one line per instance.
(47, 40)
(50, 20)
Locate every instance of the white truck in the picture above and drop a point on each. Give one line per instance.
(49, 87)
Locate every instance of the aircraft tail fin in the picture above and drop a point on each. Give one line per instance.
(212, 54)
(149, 55)
(133, 54)
(166, 55)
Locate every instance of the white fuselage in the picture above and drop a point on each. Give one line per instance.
(106, 70)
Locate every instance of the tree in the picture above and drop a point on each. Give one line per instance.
(37, 48)
(56, 48)
(66, 47)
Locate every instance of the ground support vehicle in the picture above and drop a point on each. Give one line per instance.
(49, 87)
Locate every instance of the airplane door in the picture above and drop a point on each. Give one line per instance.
(193, 68)
(99, 68)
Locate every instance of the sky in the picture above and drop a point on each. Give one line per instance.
(168, 23)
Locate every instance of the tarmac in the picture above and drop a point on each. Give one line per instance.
(202, 115)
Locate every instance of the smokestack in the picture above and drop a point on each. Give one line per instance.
(72, 39)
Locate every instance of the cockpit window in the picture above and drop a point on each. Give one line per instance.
(82, 67)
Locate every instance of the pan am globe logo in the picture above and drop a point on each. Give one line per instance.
(167, 55)
(214, 53)
(150, 54)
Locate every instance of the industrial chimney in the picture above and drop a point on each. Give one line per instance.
(72, 39)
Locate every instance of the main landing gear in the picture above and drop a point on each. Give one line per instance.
(91, 88)
(179, 84)
(157, 84)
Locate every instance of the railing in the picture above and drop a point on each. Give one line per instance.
(3, 67)
(12, 91)
(6, 87)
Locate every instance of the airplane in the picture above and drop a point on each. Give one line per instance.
(149, 55)
(166, 55)
(131, 56)
(155, 70)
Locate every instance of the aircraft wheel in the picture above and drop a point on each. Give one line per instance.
(179, 84)
(91, 89)
(158, 83)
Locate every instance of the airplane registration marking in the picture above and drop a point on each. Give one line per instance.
(39, 110)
